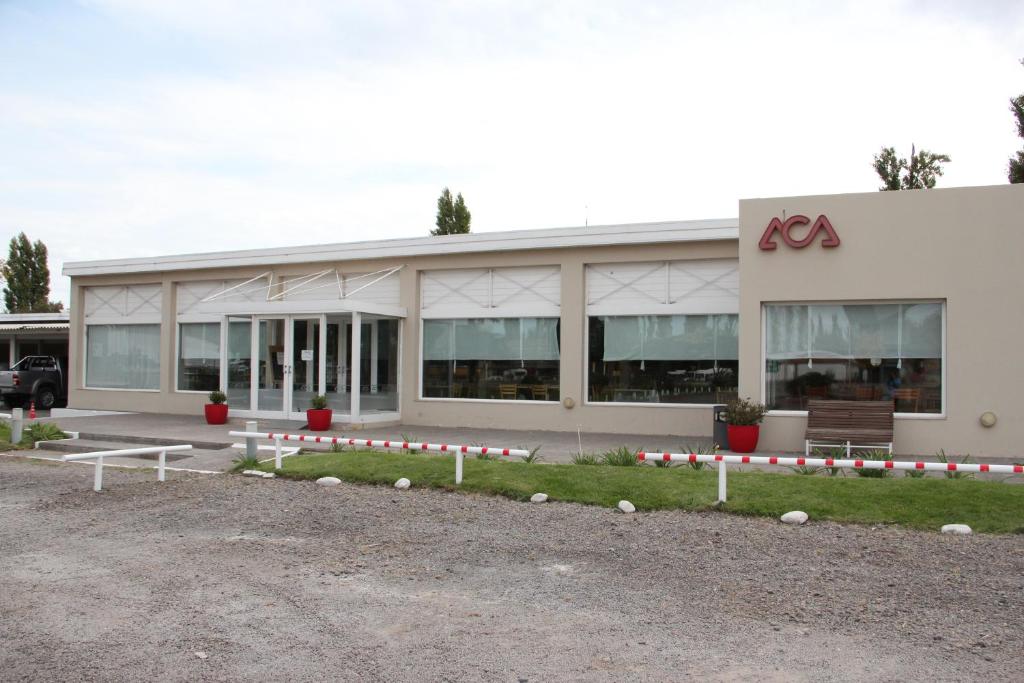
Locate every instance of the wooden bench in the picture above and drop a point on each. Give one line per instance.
(849, 424)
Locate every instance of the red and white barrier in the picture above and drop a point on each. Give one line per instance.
(458, 450)
(724, 460)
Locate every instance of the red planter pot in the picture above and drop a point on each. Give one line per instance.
(319, 420)
(743, 438)
(216, 413)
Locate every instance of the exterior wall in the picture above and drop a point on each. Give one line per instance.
(962, 245)
(614, 418)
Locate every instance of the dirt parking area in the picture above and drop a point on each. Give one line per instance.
(219, 577)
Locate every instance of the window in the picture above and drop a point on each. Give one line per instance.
(198, 356)
(858, 352)
(663, 358)
(122, 356)
(491, 358)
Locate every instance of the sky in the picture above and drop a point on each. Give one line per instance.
(145, 127)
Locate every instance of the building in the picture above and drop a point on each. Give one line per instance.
(27, 334)
(913, 296)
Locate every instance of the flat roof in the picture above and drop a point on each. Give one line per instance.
(515, 240)
(34, 318)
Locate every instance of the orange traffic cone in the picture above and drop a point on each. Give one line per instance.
(32, 410)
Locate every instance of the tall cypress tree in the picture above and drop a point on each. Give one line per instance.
(27, 278)
(453, 216)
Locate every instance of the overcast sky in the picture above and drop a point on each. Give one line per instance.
(140, 127)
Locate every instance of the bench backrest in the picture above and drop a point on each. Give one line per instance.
(850, 420)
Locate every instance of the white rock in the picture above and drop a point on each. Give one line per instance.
(269, 475)
(403, 483)
(200, 654)
(252, 473)
(626, 506)
(539, 498)
(328, 481)
(794, 517)
(961, 529)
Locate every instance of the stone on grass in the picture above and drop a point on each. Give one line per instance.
(539, 498)
(961, 529)
(626, 506)
(794, 517)
(403, 483)
(328, 481)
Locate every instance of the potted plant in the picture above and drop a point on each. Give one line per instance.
(318, 417)
(217, 409)
(744, 419)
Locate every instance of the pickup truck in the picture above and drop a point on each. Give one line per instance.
(34, 378)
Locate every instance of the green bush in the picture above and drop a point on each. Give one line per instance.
(533, 457)
(943, 458)
(873, 455)
(244, 462)
(744, 412)
(620, 457)
(217, 397)
(42, 431)
(318, 402)
(585, 459)
(699, 449)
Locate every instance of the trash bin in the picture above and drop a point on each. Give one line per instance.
(720, 432)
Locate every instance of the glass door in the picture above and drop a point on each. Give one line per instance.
(305, 364)
(270, 367)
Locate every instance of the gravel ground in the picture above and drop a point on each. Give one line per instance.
(219, 577)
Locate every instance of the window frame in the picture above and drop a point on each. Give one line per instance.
(943, 303)
(486, 401)
(612, 404)
(85, 358)
(221, 381)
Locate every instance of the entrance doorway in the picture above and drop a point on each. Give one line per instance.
(275, 364)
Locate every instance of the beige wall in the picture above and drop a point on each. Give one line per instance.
(963, 245)
(655, 419)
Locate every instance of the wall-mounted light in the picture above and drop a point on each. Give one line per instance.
(987, 419)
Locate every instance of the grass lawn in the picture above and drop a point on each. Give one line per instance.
(926, 503)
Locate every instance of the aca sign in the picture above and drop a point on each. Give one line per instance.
(767, 242)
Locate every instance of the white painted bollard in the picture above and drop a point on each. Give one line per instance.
(250, 441)
(97, 476)
(17, 417)
(721, 481)
(458, 467)
(277, 454)
(161, 462)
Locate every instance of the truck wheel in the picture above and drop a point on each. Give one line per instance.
(45, 398)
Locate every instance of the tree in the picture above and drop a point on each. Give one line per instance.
(1016, 170)
(919, 173)
(452, 216)
(27, 275)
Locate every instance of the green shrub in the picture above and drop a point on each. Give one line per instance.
(41, 431)
(873, 455)
(533, 457)
(244, 462)
(318, 402)
(620, 457)
(217, 397)
(744, 412)
(699, 449)
(336, 447)
(585, 459)
(945, 459)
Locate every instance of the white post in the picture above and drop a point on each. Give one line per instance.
(342, 360)
(374, 337)
(12, 352)
(97, 477)
(848, 450)
(458, 467)
(355, 366)
(250, 441)
(17, 423)
(721, 481)
(277, 454)
(161, 462)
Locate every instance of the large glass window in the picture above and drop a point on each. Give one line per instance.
(859, 352)
(122, 356)
(198, 356)
(663, 358)
(491, 358)
(239, 362)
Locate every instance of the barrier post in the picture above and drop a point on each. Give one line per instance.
(97, 477)
(277, 453)
(721, 481)
(161, 461)
(458, 467)
(17, 416)
(250, 441)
